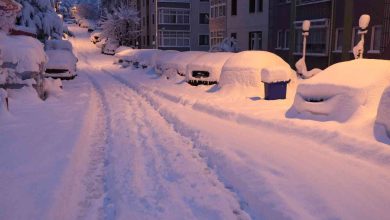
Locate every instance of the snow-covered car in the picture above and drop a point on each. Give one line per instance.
(177, 64)
(162, 59)
(145, 58)
(110, 46)
(22, 60)
(96, 36)
(242, 70)
(343, 90)
(125, 56)
(207, 68)
(62, 62)
(383, 114)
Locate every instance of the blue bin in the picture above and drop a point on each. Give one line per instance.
(276, 90)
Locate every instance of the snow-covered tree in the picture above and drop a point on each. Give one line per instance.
(88, 11)
(8, 12)
(228, 44)
(122, 24)
(41, 16)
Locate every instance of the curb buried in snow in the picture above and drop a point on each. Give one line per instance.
(342, 143)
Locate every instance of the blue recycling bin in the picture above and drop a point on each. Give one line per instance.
(275, 90)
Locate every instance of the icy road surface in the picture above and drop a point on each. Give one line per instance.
(127, 153)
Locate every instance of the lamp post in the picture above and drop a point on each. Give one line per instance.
(358, 50)
(305, 34)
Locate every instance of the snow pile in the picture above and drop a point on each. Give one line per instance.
(53, 87)
(302, 69)
(8, 12)
(209, 62)
(227, 45)
(25, 52)
(162, 60)
(275, 74)
(61, 59)
(58, 45)
(383, 115)
(178, 63)
(338, 92)
(3, 102)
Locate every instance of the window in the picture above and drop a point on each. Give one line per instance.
(287, 39)
(153, 19)
(234, 7)
(233, 35)
(174, 16)
(218, 8)
(338, 44)
(204, 40)
(376, 36)
(255, 40)
(216, 37)
(279, 40)
(302, 2)
(259, 5)
(174, 39)
(252, 6)
(317, 41)
(203, 18)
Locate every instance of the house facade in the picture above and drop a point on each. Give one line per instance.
(179, 25)
(333, 32)
(246, 21)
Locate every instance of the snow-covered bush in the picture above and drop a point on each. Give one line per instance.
(87, 11)
(40, 15)
(122, 24)
(8, 12)
(228, 44)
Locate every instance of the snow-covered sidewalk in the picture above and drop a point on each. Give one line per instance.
(123, 144)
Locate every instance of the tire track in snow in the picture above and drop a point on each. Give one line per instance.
(153, 172)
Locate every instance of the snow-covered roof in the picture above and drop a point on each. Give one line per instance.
(210, 62)
(245, 68)
(27, 52)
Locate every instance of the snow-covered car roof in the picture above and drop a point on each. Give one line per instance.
(146, 57)
(125, 53)
(58, 45)
(341, 89)
(26, 52)
(210, 62)
(244, 68)
(181, 60)
(163, 57)
(61, 59)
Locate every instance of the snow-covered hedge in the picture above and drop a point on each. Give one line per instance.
(343, 88)
(209, 62)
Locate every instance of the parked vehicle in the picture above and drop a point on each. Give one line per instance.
(62, 61)
(24, 59)
(343, 89)
(206, 69)
(162, 60)
(109, 46)
(178, 62)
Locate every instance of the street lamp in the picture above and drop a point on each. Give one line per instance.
(358, 50)
(301, 64)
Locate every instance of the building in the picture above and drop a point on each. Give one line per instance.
(246, 21)
(179, 25)
(333, 32)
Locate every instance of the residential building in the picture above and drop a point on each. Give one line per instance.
(246, 21)
(179, 25)
(333, 32)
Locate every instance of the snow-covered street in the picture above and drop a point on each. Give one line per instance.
(125, 144)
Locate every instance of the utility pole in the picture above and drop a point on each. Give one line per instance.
(348, 23)
(156, 23)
